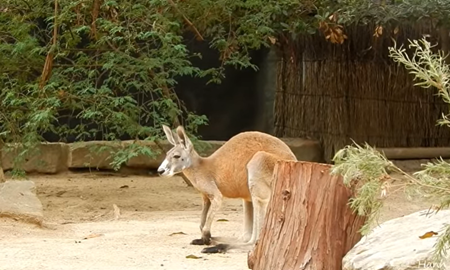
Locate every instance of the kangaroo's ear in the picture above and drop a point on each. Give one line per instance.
(170, 135)
(184, 139)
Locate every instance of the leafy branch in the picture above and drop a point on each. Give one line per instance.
(365, 171)
(428, 68)
(109, 67)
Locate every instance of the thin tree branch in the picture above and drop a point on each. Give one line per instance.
(46, 72)
(197, 33)
(95, 12)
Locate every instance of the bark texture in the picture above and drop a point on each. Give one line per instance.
(309, 224)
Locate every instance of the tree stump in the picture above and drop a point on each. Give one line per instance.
(309, 224)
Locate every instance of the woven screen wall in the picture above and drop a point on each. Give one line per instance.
(336, 93)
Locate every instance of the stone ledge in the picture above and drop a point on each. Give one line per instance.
(86, 154)
(59, 157)
(49, 158)
(92, 154)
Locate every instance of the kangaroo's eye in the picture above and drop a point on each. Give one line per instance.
(176, 156)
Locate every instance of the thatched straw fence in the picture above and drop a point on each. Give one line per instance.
(335, 93)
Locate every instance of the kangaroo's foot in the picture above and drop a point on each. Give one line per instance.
(221, 248)
(205, 240)
(200, 242)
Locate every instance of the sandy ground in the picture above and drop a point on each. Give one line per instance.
(79, 205)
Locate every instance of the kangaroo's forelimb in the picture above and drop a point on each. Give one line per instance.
(212, 205)
(205, 209)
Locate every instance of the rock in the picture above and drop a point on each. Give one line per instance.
(99, 154)
(86, 154)
(395, 244)
(48, 158)
(149, 162)
(207, 148)
(305, 150)
(59, 157)
(93, 154)
(18, 200)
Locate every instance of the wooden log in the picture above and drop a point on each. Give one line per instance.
(309, 224)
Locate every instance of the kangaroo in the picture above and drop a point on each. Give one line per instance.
(241, 168)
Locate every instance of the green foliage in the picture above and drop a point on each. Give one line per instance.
(363, 170)
(106, 61)
(435, 180)
(98, 61)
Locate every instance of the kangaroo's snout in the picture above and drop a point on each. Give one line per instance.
(163, 169)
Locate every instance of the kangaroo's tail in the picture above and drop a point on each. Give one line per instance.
(220, 248)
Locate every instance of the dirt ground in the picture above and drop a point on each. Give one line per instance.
(158, 219)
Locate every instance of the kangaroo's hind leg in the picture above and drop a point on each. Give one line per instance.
(259, 173)
(260, 170)
(248, 221)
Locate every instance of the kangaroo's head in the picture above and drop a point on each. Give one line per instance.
(179, 157)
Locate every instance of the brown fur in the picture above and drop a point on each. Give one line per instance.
(227, 165)
(241, 168)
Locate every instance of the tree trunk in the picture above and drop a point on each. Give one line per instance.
(309, 224)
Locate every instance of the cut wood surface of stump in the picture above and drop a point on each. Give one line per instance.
(309, 224)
